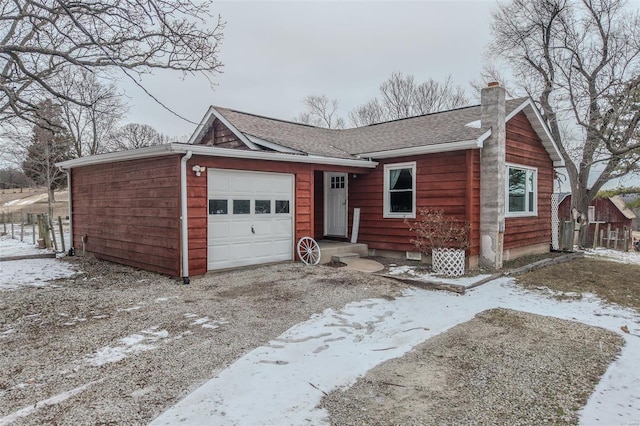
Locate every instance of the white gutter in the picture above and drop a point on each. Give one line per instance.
(210, 151)
(427, 149)
(184, 222)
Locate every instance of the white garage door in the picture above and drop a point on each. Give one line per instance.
(250, 218)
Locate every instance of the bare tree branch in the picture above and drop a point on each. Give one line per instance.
(41, 38)
(581, 62)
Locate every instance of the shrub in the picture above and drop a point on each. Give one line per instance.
(434, 230)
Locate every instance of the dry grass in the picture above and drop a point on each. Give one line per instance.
(60, 207)
(611, 281)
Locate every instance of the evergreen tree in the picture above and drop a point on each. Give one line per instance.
(50, 144)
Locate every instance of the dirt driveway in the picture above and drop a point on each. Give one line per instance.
(118, 346)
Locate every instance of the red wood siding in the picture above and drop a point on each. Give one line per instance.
(130, 212)
(442, 182)
(524, 148)
(219, 135)
(198, 214)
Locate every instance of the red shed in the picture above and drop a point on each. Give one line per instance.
(609, 213)
(246, 188)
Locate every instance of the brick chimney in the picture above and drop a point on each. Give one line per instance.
(492, 177)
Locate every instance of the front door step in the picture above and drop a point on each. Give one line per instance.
(342, 257)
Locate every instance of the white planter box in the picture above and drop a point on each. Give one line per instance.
(447, 261)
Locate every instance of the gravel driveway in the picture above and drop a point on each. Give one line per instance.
(117, 345)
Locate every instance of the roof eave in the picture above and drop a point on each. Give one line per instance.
(209, 151)
(427, 149)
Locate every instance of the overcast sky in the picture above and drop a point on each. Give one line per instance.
(276, 53)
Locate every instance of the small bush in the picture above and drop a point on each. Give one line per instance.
(434, 230)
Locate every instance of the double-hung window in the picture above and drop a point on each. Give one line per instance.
(400, 190)
(522, 191)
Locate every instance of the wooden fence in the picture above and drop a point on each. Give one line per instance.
(16, 224)
(603, 236)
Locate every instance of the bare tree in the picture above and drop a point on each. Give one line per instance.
(11, 177)
(321, 112)
(89, 126)
(370, 113)
(580, 60)
(134, 136)
(432, 96)
(38, 39)
(401, 97)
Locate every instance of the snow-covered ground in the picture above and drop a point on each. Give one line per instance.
(283, 381)
(15, 274)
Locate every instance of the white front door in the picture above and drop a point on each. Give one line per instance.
(335, 204)
(250, 218)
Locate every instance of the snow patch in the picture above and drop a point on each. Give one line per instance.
(129, 345)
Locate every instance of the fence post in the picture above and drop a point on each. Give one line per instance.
(53, 233)
(11, 219)
(595, 235)
(608, 235)
(33, 229)
(21, 226)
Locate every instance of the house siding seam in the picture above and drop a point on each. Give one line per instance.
(524, 147)
(138, 206)
(442, 184)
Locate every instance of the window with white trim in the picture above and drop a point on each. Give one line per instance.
(400, 190)
(522, 191)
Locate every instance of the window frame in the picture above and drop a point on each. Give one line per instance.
(386, 194)
(526, 212)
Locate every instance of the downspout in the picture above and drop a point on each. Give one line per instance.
(184, 233)
(70, 201)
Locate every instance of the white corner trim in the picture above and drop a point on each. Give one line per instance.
(271, 145)
(206, 121)
(428, 149)
(211, 151)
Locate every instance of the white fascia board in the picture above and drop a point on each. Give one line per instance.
(204, 124)
(210, 151)
(132, 154)
(426, 149)
(207, 120)
(274, 146)
(540, 128)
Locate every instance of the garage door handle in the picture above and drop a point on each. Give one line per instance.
(253, 231)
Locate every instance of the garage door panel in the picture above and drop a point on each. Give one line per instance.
(281, 247)
(231, 240)
(218, 229)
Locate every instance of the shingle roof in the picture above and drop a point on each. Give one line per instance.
(461, 124)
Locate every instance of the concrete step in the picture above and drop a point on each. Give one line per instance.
(344, 256)
(328, 249)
